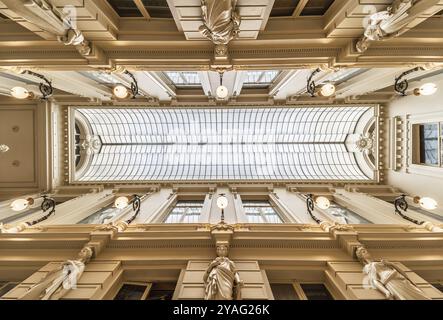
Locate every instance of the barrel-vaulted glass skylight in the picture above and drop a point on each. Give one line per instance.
(231, 144)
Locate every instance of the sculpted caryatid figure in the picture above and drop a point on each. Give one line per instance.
(59, 281)
(388, 278)
(393, 21)
(221, 278)
(59, 23)
(221, 22)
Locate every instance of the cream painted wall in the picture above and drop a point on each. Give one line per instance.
(427, 107)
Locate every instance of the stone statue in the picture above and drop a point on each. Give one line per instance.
(59, 281)
(393, 21)
(221, 278)
(45, 16)
(388, 278)
(221, 22)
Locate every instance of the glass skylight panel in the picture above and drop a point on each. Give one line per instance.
(260, 78)
(184, 78)
(303, 143)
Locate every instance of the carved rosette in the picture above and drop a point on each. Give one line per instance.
(366, 143)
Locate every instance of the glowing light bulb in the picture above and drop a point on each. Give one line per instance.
(322, 202)
(221, 92)
(121, 202)
(20, 93)
(222, 202)
(19, 204)
(327, 90)
(121, 92)
(426, 89)
(427, 203)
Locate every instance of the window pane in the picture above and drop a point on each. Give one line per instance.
(185, 212)
(429, 140)
(5, 288)
(125, 8)
(345, 215)
(283, 292)
(104, 215)
(316, 291)
(438, 286)
(260, 212)
(161, 291)
(130, 292)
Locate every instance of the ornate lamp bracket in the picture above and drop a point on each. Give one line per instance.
(400, 84)
(45, 86)
(400, 205)
(311, 86)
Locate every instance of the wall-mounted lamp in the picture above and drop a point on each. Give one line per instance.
(123, 202)
(23, 204)
(45, 88)
(222, 203)
(121, 92)
(4, 148)
(401, 84)
(221, 92)
(21, 93)
(400, 204)
(326, 90)
(426, 202)
(320, 201)
(426, 89)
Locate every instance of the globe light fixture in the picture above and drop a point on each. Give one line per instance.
(322, 202)
(121, 202)
(21, 204)
(426, 89)
(4, 148)
(221, 92)
(327, 90)
(121, 92)
(21, 93)
(426, 203)
(222, 203)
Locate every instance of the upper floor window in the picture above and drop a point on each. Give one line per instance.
(345, 215)
(185, 212)
(104, 215)
(428, 142)
(261, 212)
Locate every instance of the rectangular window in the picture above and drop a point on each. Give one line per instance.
(345, 215)
(6, 287)
(438, 286)
(131, 292)
(161, 291)
(261, 212)
(316, 291)
(104, 215)
(185, 212)
(284, 291)
(427, 140)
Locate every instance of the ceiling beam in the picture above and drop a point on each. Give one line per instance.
(300, 6)
(142, 9)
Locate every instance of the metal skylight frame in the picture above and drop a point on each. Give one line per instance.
(156, 148)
